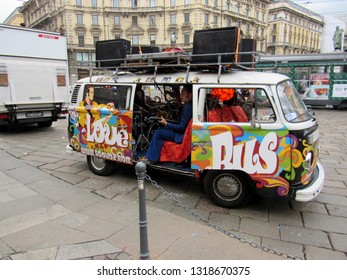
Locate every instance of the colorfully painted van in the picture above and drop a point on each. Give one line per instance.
(273, 152)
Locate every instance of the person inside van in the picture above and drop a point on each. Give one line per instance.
(140, 99)
(172, 132)
(245, 99)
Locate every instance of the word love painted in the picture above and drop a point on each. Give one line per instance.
(100, 132)
(251, 156)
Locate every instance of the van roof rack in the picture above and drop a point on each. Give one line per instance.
(177, 61)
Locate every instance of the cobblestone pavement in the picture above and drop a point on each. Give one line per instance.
(313, 230)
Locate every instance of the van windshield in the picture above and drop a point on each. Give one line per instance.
(292, 105)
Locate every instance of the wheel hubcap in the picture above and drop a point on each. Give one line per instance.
(98, 163)
(228, 187)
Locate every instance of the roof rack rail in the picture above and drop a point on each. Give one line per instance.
(178, 61)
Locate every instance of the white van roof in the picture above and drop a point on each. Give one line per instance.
(230, 77)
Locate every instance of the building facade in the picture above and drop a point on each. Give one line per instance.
(161, 23)
(15, 18)
(293, 29)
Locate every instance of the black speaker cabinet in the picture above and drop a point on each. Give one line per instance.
(218, 40)
(247, 45)
(111, 50)
(144, 49)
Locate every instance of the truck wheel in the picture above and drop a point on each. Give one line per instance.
(100, 166)
(227, 188)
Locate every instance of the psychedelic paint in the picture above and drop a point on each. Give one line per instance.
(101, 130)
(272, 158)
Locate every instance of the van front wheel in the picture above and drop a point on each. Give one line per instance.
(100, 166)
(227, 189)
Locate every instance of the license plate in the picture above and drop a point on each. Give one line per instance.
(34, 114)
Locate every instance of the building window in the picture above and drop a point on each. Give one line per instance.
(134, 20)
(134, 4)
(206, 2)
(82, 57)
(152, 3)
(186, 38)
(95, 19)
(173, 19)
(96, 38)
(79, 3)
(215, 20)
(274, 39)
(173, 38)
(135, 39)
(116, 20)
(117, 36)
(81, 40)
(152, 20)
(206, 18)
(152, 39)
(186, 17)
(228, 22)
(172, 3)
(94, 3)
(274, 27)
(116, 3)
(215, 3)
(79, 18)
(186, 2)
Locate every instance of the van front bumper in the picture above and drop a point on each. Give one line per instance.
(313, 188)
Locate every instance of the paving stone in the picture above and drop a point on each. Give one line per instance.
(311, 206)
(94, 183)
(325, 222)
(4, 249)
(100, 228)
(42, 254)
(70, 178)
(9, 163)
(317, 253)
(46, 235)
(336, 210)
(30, 219)
(227, 222)
(27, 174)
(339, 241)
(335, 191)
(84, 250)
(332, 199)
(304, 236)
(20, 206)
(258, 227)
(292, 250)
(334, 184)
(54, 189)
(80, 200)
(285, 217)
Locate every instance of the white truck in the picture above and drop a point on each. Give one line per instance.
(34, 80)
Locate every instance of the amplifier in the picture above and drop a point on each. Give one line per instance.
(218, 40)
(115, 50)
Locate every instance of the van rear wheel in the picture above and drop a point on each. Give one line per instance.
(227, 188)
(100, 166)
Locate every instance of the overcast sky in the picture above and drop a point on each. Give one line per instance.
(323, 7)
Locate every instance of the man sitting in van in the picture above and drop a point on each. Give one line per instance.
(245, 99)
(171, 131)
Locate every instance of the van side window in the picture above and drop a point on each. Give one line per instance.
(264, 110)
(221, 106)
(110, 95)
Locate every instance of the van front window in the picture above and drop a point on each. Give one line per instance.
(292, 105)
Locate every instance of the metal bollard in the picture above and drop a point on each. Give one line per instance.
(141, 173)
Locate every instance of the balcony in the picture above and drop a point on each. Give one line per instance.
(138, 10)
(80, 27)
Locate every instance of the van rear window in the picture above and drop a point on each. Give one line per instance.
(107, 94)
